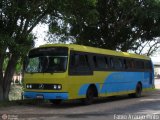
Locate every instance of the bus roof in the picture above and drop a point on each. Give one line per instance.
(97, 50)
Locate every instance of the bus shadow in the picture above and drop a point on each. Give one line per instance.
(78, 103)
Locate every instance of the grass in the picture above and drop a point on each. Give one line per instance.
(15, 97)
(15, 92)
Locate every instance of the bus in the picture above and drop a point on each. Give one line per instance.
(58, 72)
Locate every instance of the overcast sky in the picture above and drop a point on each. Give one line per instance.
(40, 32)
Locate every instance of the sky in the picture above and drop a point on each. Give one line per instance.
(156, 59)
(41, 31)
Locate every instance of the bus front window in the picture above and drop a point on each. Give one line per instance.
(47, 64)
(47, 60)
(33, 65)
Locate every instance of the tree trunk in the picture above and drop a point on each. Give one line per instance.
(1, 75)
(7, 79)
(1, 92)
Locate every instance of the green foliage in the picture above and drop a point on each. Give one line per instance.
(18, 67)
(113, 24)
(17, 20)
(5, 64)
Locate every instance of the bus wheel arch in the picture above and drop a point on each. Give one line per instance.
(93, 86)
(138, 90)
(91, 93)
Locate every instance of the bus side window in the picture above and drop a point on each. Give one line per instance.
(101, 62)
(107, 62)
(72, 60)
(139, 65)
(111, 62)
(148, 65)
(82, 62)
(129, 64)
(125, 64)
(95, 62)
(79, 64)
(118, 64)
(132, 64)
(121, 63)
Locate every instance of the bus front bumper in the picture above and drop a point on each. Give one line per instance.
(45, 95)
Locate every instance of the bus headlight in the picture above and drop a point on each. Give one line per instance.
(57, 87)
(28, 86)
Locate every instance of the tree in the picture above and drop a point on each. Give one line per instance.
(112, 24)
(148, 47)
(17, 20)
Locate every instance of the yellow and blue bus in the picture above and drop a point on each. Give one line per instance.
(59, 72)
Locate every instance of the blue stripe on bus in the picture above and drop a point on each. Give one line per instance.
(121, 81)
(125, 81)
(34, 95)
(84, 88)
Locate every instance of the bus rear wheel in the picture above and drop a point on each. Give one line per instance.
(138, 91)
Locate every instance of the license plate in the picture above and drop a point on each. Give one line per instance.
(39, 97)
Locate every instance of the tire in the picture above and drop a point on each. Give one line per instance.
(89, 96)
(56, 102)
(138, 91)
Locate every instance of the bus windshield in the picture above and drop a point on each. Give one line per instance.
(47, 60)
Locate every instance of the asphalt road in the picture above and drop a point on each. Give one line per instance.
(119, 108)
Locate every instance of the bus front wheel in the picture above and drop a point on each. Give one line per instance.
(90, 94)
(56, 102)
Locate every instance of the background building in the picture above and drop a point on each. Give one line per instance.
(156, 62)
